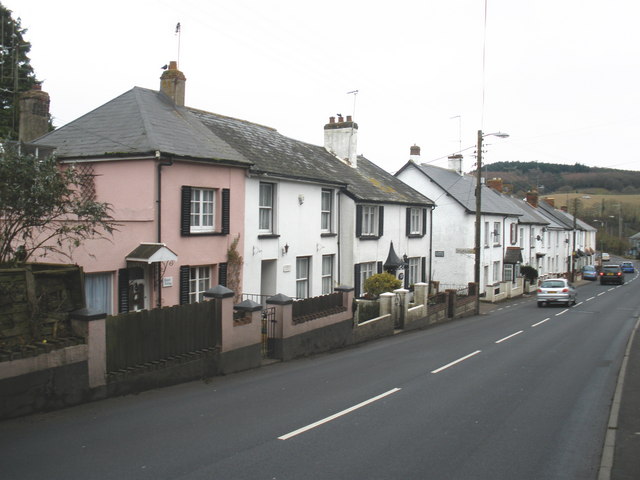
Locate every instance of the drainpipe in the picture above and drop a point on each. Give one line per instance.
(338, 231)
(161, 164)
(430, 247)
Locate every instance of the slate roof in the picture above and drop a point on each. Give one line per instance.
(280, 156)
(139, 122)
(532, 216)
(142, 121)
(565, 220)
(462, 189)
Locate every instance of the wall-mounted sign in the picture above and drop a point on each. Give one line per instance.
(466, 251)
(439, 253)
(167, 282)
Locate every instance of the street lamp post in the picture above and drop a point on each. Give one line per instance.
(476, 273)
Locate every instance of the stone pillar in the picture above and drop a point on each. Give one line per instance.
(403, 306)
(92, 326)
(451, 303)
(348, 295)
(223, 298)
(284, 321)
(420, 294)
(387, 303)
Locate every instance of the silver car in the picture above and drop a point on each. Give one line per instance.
(556, 290)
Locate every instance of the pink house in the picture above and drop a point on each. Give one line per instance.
(177, 192)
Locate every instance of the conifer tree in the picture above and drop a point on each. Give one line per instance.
(16, 73)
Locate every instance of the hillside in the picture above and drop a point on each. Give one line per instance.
(549, 177)
(607, 199)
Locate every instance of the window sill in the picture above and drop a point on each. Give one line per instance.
(268, 235)
(204, 234)
(415, 235)
(328, 234)
(368, 237)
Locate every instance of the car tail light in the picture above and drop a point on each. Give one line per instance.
(565, 290)
(539, 290)
(619, 273)
(601, 273)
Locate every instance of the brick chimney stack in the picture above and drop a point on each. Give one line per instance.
(414, 153)
(172, 84)
(532, 198)
(341, 139)
(34, 114)
(496, 184)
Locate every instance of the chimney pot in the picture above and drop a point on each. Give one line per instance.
(332, 119)
(349, 118)
(340, 119)
(414, 150)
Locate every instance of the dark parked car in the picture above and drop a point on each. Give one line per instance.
(589, 272)
(611, 274)
(627, 267)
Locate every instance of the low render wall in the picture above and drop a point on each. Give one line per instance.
(77, 374)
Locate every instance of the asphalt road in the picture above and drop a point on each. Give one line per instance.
(521, 393)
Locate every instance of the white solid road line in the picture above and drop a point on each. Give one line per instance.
(438, 370)
(510, 336)
(336, 415)
(562, 312)
(540, 323)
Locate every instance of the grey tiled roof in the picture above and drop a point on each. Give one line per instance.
(529, 214)
(277, 155)
(462, 189)
(138, 122)
(143, 121)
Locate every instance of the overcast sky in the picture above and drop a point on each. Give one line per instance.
(561, 77)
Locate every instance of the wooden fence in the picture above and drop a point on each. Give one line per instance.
(316, 307)
(139, 338)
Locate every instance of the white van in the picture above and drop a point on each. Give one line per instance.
(605, 257)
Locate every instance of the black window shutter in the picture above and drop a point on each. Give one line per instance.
(358, 221)
(406, 276)
(424, 221)
(356, 279)
(185, 209)
(379, 267)
(423, 269)
(123, 290)
(222, 274)
(184, 284)
(225, 211)
(380, 220)
(408, 227)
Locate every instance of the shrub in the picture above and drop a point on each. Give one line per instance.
(380, 283)
(530, 273)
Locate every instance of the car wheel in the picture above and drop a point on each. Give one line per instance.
(540, 304)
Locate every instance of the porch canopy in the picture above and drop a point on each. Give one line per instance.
(151, 253)
(513, 255)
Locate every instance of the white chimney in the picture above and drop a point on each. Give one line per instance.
(455, 163)
(341, 139)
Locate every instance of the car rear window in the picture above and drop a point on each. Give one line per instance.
(611, 268)
(552, 284)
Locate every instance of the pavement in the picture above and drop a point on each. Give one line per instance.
(621, 450)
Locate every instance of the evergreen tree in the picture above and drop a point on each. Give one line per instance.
(16, 73)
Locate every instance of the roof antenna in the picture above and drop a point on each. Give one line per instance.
(178, 34)
(355, 94)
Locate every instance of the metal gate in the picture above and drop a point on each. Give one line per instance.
(269, 332)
